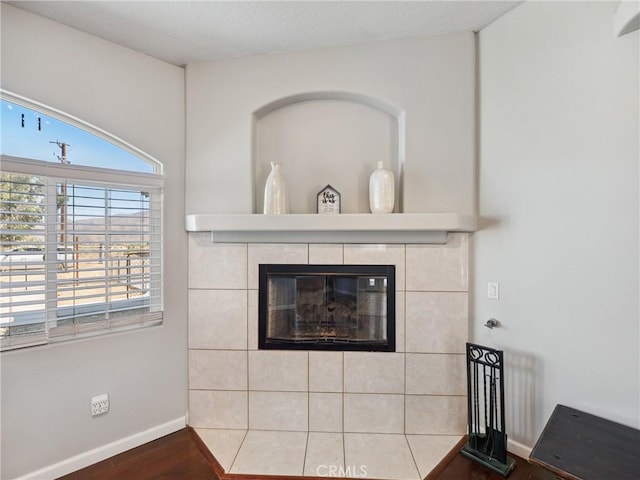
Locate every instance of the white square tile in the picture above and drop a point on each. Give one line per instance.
(273, 253)
(216, 265)
(436, 415)
(373, 372)
(379, 456)
(361, 254)
(325, 371)
(218, 319)
(252, 323)
(223, 444)
(436, 374)
(325, 454)
(279, 411)
(439, 268)
(281, 371)
(373, 413)
(326, 254)
(215, 409)
(217, 370)
(271, 453)
(429, 450)
(437, 322)
(325, 412)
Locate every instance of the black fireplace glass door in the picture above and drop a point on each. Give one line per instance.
(328, 307)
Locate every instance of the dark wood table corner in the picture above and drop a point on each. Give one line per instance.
(576, 445)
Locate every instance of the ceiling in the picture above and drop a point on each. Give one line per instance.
(183, 32)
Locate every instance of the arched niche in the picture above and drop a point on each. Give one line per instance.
(322, 138)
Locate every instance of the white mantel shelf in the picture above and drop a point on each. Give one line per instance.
(340, 228)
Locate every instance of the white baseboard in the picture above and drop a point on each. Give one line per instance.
(519, 449)
(106, 451)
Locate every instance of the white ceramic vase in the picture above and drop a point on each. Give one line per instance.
(381, 190)
(276, 200)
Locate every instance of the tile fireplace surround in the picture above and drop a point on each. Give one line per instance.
(417, 393)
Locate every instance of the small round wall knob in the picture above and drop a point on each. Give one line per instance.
(492, 323)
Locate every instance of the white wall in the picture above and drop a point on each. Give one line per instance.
(46, 390)
(558, 197)
(429, 81)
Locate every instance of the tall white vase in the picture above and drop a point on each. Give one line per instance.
(381, 190)
(276, 200)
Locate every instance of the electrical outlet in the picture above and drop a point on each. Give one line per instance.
(99, 404)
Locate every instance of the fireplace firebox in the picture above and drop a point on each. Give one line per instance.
(327, 307)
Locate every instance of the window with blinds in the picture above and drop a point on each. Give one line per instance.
(80, 243)
(79, 256)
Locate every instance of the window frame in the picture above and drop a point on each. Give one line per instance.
(102, 178)
(158, 167)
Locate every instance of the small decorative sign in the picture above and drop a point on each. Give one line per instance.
(328, 200)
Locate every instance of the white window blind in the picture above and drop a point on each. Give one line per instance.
(81, 254)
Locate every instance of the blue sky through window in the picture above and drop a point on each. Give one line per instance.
(27, 133)
(33, 141)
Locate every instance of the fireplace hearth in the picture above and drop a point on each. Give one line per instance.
(326, 307)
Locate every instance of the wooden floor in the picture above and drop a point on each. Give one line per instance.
(178, 457)
(174, 457)
(461, 468)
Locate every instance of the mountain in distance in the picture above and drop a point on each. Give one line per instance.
(128, 227)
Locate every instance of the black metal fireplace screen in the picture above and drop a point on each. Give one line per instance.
(327, 307)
